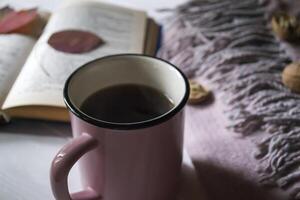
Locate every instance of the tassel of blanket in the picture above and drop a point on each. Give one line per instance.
(230, 42)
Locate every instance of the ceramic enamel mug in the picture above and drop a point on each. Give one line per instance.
(123, 161)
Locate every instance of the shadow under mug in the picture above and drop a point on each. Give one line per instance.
(123, 161)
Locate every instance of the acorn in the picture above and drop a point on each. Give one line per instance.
(291, 76)
(286, 27)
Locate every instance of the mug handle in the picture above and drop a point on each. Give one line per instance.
(62, 164)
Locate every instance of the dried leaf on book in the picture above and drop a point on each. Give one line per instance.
(19, 21)
(28, 22)
(74, 41)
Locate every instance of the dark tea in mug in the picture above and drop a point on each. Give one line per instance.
(126, 103)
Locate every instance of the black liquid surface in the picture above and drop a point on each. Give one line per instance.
(126, 103)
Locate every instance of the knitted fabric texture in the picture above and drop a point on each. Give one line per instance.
(230, 43)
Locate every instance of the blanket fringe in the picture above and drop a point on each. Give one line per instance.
(229, 42)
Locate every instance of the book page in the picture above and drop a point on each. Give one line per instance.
(42, 79)
(15, 49)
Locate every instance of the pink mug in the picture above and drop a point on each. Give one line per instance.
(123, 161)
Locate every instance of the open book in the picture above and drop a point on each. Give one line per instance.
(32, 73)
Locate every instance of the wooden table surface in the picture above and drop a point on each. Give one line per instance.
(224, 161)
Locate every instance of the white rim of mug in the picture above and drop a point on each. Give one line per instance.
(125, 126)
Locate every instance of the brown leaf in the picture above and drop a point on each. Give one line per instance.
(21, 21)
(74, 41)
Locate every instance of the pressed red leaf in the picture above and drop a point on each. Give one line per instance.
(74, 41)
(18, 21)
